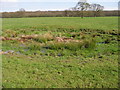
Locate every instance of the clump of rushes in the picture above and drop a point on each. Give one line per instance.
(90, 43)
(56, 45)
(10, 33)
(43, 38)
(73, 45)
(34, 47)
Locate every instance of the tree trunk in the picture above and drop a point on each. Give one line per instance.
(82, 15)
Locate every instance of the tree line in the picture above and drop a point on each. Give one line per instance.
(65, 13)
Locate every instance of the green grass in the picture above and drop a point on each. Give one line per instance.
(43, 62)
(54, 23)
(49, 72)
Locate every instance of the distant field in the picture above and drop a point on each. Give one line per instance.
(49, 23)
(60, 52)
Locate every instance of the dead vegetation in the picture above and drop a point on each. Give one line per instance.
(28, 36)
(45, 37)
(22, 38)
(6, 52)
(65, 39)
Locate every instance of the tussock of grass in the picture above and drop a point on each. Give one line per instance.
(89, 43)
(71, 45)
(10, 33)
(43, 38)
(34, 46)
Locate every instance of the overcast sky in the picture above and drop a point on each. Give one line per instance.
(34, 5)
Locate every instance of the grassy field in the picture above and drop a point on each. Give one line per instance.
(60, 52)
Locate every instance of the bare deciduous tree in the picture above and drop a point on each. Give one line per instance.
(96, 8)
(82, 6)
(21, 12)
